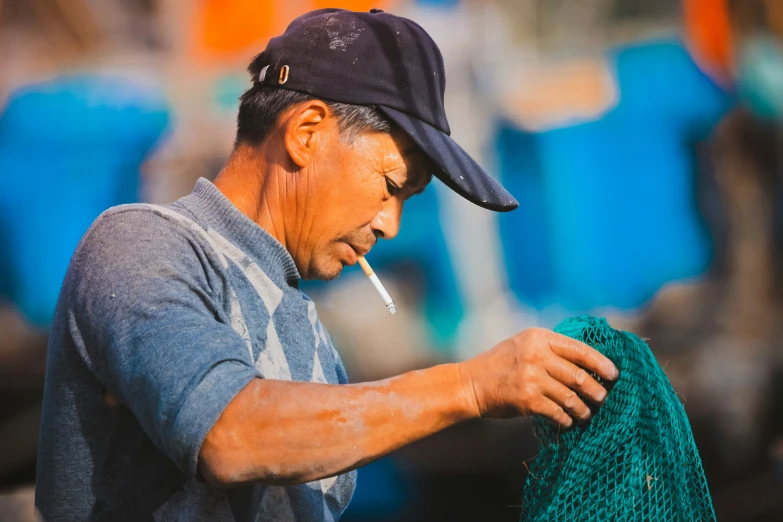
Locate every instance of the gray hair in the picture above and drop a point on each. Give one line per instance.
(261, 106)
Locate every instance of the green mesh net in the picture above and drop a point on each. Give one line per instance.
(636, 459)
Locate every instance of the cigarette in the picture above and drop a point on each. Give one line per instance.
(387, 300)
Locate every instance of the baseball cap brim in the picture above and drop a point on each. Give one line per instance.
(457, 169)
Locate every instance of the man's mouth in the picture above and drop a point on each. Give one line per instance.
(360, 251)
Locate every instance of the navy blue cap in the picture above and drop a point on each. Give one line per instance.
(376, 58)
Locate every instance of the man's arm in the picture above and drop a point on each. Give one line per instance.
(281, 432)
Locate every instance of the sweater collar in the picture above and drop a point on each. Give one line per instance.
(217, 211)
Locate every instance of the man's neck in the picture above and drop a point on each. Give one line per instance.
(248, 181)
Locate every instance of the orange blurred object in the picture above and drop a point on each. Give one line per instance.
(708, 35)
(228, 26)
(353, 5)
(226, 29)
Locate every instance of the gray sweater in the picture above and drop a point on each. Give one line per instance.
(173, 310)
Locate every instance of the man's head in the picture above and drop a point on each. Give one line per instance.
(347, 172)
(344, 123)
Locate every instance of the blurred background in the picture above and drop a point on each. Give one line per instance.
(641, 137)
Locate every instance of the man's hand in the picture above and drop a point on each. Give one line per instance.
(537, 372)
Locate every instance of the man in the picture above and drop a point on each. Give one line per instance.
(185, 361)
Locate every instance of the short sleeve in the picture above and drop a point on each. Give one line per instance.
(144, 300)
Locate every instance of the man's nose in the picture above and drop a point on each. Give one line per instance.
(386, 223)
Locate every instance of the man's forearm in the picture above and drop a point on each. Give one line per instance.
(293, 432)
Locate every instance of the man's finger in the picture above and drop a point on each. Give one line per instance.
(583, 355)
(567, 399)
(576, 378)
(551, 410)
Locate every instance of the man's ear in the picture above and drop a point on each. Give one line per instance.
(305, 129)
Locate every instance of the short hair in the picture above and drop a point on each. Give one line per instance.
(261, 106)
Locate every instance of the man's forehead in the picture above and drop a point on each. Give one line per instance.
(396, 152)
(399, 144)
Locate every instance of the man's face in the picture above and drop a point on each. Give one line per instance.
(355, 194)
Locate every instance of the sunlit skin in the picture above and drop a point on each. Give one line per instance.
(327, 200)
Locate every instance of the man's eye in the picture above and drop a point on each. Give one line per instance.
(393, 189)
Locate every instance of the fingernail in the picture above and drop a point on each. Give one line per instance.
(615, 373)
(601, 396)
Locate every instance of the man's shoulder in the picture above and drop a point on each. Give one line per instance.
(128, 231)
(143, 222)
(140, 246)
(149, 215)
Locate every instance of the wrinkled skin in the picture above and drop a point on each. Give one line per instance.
(325, 199)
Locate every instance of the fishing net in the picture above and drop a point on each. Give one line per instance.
(636, 459)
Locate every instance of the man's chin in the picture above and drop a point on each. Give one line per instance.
(324, 273)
